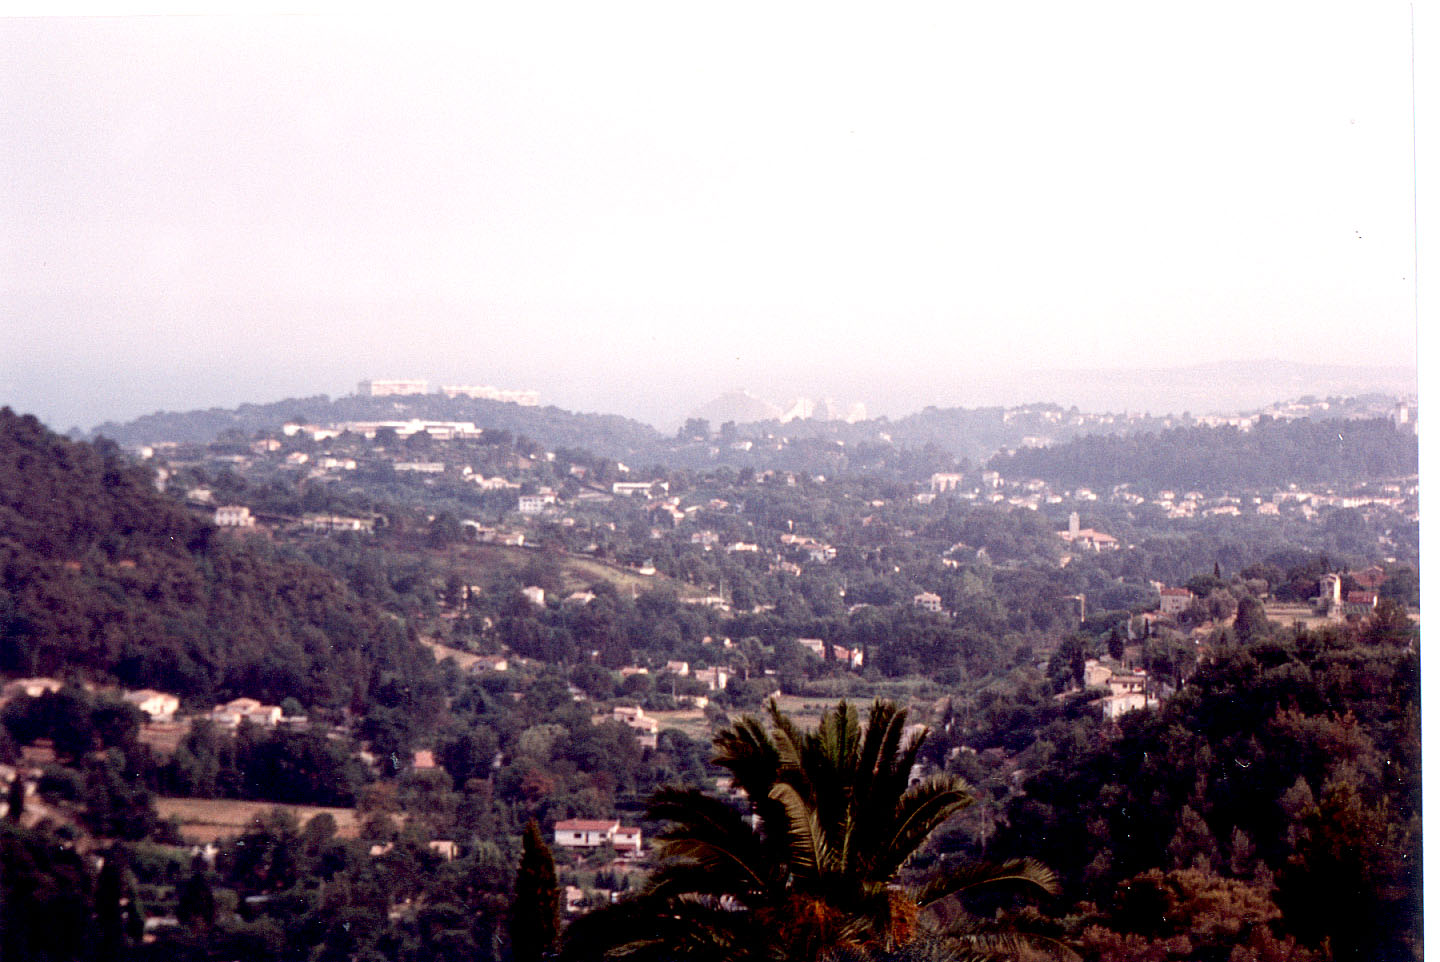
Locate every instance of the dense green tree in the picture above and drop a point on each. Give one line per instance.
(15, 799)
(196, 899)
(119, 920)
(45, 898)
(535, 914)
(1250, 623)
(1344, 888)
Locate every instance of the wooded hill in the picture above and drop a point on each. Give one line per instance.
(609, 435)
(102, 576)
(1273, 452)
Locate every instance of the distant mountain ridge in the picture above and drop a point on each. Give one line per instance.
(1220, 387)
(976, 433)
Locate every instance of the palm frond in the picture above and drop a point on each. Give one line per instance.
(649, 928)
(953, 880)
(810, 853)
(914, 816)
(747, 751)
(993, 939)
(708, 831)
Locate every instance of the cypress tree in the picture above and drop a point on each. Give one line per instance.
(1116, 644)
(119, 924)
(197, 899)
(535, 915)
(16, 800)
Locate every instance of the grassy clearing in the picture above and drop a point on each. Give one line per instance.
(163, 738)
(1287, 615)
(208, 819)
(463, 659)
(690, 721)
(576, 573)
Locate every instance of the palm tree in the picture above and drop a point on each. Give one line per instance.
(813, 867)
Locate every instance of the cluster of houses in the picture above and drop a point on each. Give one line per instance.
(647, 729)
(1339, 601)
(161, 707)
(1348, 595)
(157, 706)
(850, 657)
(1129, 690)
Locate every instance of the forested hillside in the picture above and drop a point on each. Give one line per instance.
(1296, 451)
(1284, 778)
(100, 575)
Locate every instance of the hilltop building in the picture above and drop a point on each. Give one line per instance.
(486, 392)
(392, 387)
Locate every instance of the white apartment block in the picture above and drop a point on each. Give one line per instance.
(486, 392)
(234, 516)
(439, 430)
(392, 387)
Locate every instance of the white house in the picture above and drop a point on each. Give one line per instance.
(536, 503)
(232, 713)
(629, 488)
(647, 730)
(1113, 706)
(485, 663)
(713, 678)
(626, 839)
(592, 833)
(234, 516)
(32, 687)
(945, 481)
(157, 705)
(1175, 600)
(928, 600)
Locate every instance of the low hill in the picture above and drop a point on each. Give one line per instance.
(1272, 452)
(103, 577)
(608, 435)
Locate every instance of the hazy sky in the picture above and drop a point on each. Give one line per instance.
(633, 209)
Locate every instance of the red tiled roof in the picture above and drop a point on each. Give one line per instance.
(586, 825)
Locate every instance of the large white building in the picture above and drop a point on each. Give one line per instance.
(486, 392)
(392, 387)
(234, 516)
(439, 430)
